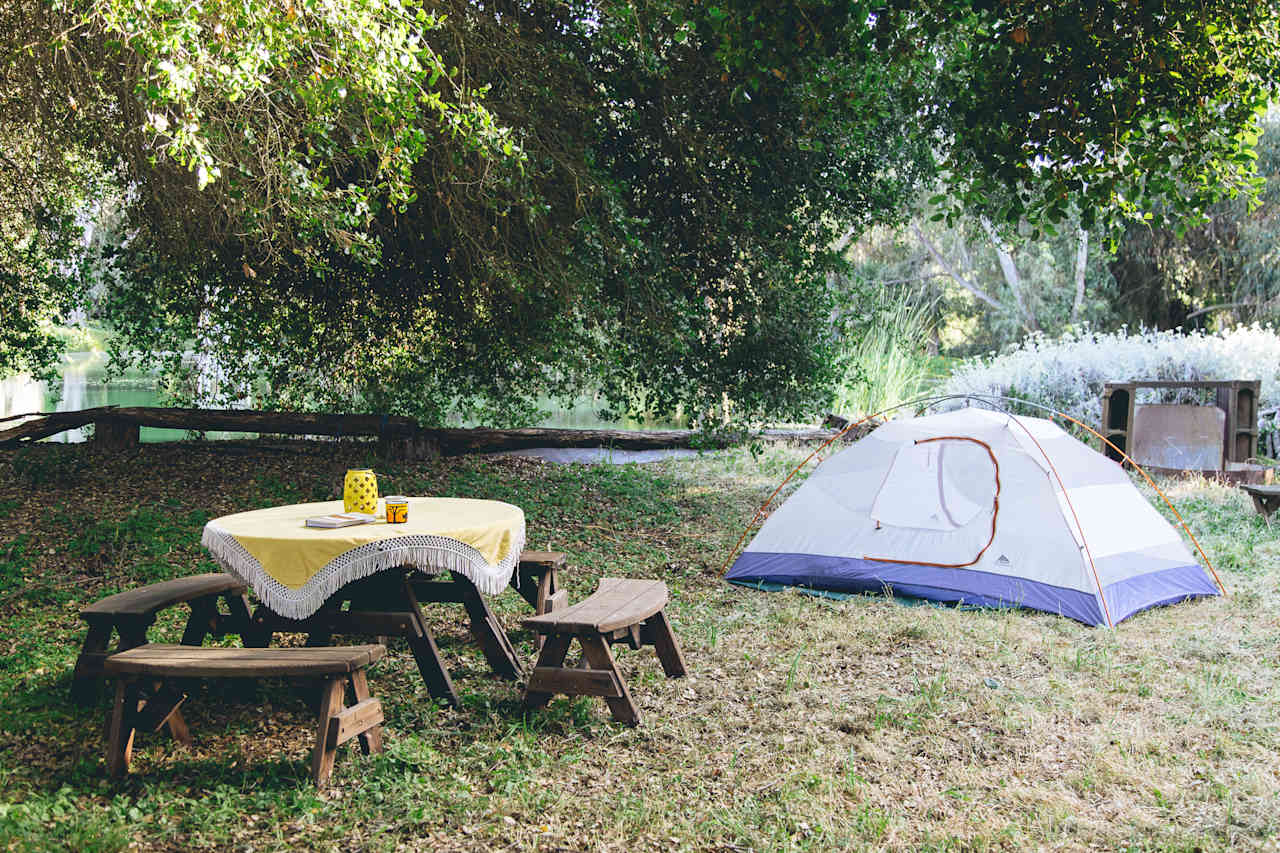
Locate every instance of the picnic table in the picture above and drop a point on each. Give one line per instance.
(372, 578)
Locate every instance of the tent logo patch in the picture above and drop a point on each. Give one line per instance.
(1003, 562)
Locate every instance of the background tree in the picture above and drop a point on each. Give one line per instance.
(450, 207)
(1222, 270)
(43, 261)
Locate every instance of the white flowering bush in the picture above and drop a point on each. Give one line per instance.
(1068, 373)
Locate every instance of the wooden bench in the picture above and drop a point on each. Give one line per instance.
(1266, 499)
(619, 611)
(155, 668)
(132, 612)
(537, 580)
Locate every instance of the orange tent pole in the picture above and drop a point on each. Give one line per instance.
(1159, 491)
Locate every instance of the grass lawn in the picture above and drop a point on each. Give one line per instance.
(806, 724)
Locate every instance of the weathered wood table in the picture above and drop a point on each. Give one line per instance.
(1266, 499)
(372, 579)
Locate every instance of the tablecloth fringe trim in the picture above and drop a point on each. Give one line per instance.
(429, 554)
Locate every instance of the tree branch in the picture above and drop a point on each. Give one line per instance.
(953, 273)
(1011, 276)
(1220, 307)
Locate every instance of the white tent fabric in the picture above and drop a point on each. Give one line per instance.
(979, 507)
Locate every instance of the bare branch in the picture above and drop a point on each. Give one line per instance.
(1011, 276)
(953, 273)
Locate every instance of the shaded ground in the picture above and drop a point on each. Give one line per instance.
(807, 724)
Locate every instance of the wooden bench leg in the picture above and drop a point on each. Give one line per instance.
(546, 588)
(88, 671)
(178, 728)
(330, 706)
(535, 580)
(371, 740)
(558, 600)
(120, 734)
(1265, 507)
(164, 709)
(658, 633)
(554, 650)
(337, 724)
(597, 653)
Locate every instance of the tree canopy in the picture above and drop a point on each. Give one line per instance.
(439, 207)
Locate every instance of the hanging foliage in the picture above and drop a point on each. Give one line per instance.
(459, 207)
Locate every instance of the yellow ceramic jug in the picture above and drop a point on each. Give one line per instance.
(360, 491)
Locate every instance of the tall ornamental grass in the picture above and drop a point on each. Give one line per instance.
(889, 362)
(1068, 373)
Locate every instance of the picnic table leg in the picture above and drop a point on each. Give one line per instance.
(321, 636)
(204, 616)
(488, 630)
(425, 652)
(260, 636)
(319, 632)
(238, 621)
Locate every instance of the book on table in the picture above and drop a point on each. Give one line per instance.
(340, 519)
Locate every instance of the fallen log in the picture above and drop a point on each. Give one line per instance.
(429, 443)
(117, 427)
(272, 422)
(43, 426)
(457, 442)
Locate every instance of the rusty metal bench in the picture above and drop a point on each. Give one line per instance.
(619, 611)
(132, 612)
(154, 669)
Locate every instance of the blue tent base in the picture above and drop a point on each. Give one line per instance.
(973, 587)
(905, 601)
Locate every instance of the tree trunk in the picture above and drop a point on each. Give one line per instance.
(1011, 277)
(1082, 259)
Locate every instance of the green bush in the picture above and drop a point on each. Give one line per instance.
(888, 363)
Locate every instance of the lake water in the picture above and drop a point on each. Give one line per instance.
(85, 386)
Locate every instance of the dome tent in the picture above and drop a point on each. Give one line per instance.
(977, 507)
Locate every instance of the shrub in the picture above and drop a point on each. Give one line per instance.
(886, 361)
(1068, 373)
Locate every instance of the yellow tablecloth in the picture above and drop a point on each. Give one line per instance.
(294, 568)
